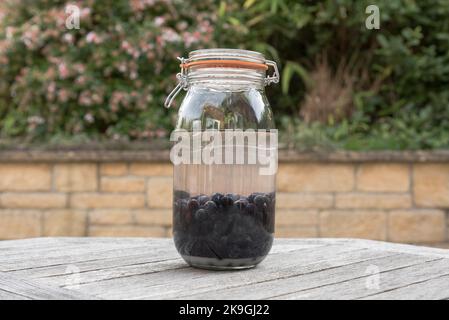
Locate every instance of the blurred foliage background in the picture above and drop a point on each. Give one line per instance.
(342, 86)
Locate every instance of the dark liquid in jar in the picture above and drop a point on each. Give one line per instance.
(223, 229)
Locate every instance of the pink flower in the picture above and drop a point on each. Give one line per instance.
(160, 41)
(79, 68)
(125, 45)
(136, 54)
(205, 26)
(68, 37)
(36, 119)
(169, 35)
(140, 5)
(118, 28)
(182, 25)
(63, 70)
(63, 95)
(159, 21)
(122, 67)
(10, 32)
(97, 98)
(151, 55)
(85, 99)
(89, 117)
(31, 36)
(92, 37)
(51, 87)
(3, 60)
(116, 98)
(189, 38)
(81, 80)
(85, 12)
(114, 107)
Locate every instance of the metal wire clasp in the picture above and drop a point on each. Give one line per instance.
(182, 84)
(275, 77)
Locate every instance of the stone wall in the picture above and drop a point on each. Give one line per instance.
(400, 197)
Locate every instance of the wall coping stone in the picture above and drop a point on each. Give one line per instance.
(162, 155)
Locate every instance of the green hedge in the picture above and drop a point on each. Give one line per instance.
(106, 80)
(343, 86)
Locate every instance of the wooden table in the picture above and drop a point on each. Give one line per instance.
(143, 268)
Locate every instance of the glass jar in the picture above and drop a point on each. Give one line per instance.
(225, 159)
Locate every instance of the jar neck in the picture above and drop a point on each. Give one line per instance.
(229, 79)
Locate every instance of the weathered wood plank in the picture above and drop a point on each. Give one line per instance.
(24, 246)
(6, 295)
(173, 284)
(36, 290)
(390, 246)
(81, 246)
(372, 283)
(137, 269)
(306, 280)
(43, 243)
(145, 268)
(93, 265)
(432, 289)
(103, 268)
(74, 256)
(212, 287)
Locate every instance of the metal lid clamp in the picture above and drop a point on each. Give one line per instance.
(183, 82)
(275, 77)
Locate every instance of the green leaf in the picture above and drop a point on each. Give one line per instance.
(248, 3)
(291, 68)
(256, 20)
(234, 21)
(222, 9)
(274, 6)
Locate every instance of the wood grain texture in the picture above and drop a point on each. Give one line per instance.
(28, 289)
(145, 268)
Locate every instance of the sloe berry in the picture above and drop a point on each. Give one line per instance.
(260, 201)
(216, 197)
(226, 201)
(241, 204)
(253, 195)
(200, 215)
(250, 209)
(193, 205)
(210, 207)
(203, 199)
(233, 196)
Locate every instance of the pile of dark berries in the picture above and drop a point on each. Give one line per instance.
(223, 226)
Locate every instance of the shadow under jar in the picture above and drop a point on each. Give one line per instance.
(224, 209)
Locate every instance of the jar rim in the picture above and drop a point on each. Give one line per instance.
(226, 54)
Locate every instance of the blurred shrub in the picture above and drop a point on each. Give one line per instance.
(329, 96)
(397, 76)
(107, 79)
(389, 88)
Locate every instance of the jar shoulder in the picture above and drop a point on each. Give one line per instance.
(225, 110)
